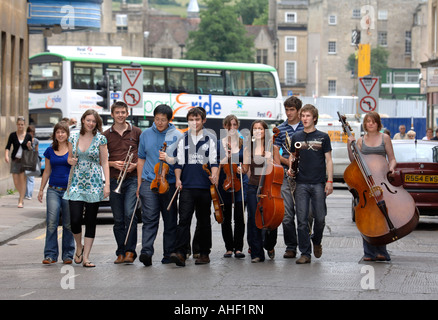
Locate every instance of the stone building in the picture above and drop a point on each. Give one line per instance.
(13, 76)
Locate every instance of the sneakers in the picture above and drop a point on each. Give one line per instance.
(303, 259)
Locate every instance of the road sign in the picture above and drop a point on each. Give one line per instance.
(368, 94)
(132, 86)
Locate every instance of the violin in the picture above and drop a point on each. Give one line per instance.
(270, 206)
(384, 213)
(232, 181)
(161, 169)
(215, 196)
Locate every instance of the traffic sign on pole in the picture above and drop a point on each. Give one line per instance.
(368, 94)
(132, 86)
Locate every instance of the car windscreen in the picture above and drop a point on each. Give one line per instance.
(415, 152)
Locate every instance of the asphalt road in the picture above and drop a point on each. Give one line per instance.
(338, 274)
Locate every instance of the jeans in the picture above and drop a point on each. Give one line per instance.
(123, 206)
(307, 195)
(371, 251)
(257, 238)
(191, 200)
(56, 206)
(30, 181)
(289, 228)
(152, 205)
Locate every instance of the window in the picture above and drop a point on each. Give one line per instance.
(332, 19)
(122, 22)
(210, 81)
(356, 14)
(180, 80)
(86, 75)
(408, 42)
(238, 83)
(332, 47)
(382, 15)
(290, 72)
(167, 53)
(264, 85)
(290, 17)
(262, 56)
(382, 38)
(332, 87)
(153, 79)
(290, 44)
(406, 77)
(45, 76)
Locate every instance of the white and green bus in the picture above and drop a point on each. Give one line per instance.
(65, 86)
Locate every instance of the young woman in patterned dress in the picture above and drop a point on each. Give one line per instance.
(88, 154)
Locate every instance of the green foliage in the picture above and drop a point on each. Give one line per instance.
(251, 10)
(379, 60)
(220, 36)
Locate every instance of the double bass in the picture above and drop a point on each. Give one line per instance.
(383, 213)
(270, 205)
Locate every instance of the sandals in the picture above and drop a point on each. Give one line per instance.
(79, 257)
(88, 264)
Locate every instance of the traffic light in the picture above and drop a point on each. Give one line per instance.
(105, 93)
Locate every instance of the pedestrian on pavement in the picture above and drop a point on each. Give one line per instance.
(314, 182)
(88, 156)
(30, 179)
(56, 172)
(123, 139)
(20, 140)
(374, 142)
(154, 203)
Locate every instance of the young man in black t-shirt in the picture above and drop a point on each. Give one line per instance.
(315, 164)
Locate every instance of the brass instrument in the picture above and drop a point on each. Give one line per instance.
(122, 174)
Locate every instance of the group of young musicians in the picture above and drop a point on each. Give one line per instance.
(183, 157)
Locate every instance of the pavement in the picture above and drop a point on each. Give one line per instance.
(14, 221)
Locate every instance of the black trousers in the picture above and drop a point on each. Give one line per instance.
(233, 242)
(191, 200)
(89, 217)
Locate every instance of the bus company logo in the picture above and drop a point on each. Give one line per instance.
(267, 114)
(50, 102)
(180, 102)
(239, 104)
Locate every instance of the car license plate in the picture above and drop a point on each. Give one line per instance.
(420, 178)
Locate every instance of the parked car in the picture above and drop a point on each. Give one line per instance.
(417, 172)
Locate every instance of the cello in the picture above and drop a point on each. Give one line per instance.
(384, 213)
(161, 169)
(270, 206)
(232, 181)
(215, 196)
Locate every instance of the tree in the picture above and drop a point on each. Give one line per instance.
(379, 61)
(250, 10)
(220, 36)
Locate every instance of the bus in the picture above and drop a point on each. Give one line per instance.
(65, 86)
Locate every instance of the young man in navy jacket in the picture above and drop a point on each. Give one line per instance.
(196, 148)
